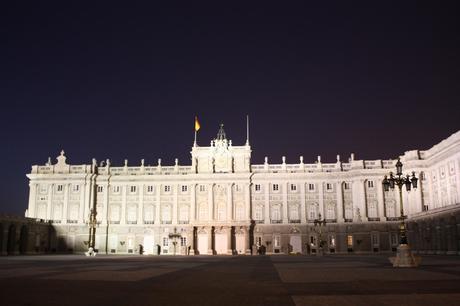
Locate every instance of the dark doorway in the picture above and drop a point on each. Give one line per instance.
(23, 239)
(10, 248)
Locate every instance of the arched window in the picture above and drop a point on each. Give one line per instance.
(183, 213)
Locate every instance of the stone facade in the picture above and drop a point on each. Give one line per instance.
(224, 204)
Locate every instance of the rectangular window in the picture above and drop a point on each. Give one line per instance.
(370, 184)
(311, 187)
(184, 188)
(346, 186)
(43, 188)
(202, 188)
(75, 188)
(237, 187)
(167, 188)
(277, 241)
(100, 188)
(275, 187)
(165, 241)
(133, 189)
(60, 188)
(328, 186)
(150, 189)
(350, 241)
(293, 187)
(183, 241)
(116, 189)
(257, 187)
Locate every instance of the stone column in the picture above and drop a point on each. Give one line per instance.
(66, 204)
(158, 204)
(193, 204)
(303, 218)
(83, 196)
(210, 233)
(229, 240)
(247, 245)
(123, 204)
(284, 190)
(247, 194)
(321, 200)
(32, 200)
(140, 218)
(230, 202)
(339, 193)
(49, 202)
(105, 208)
(380, 200)
(267, 203)
(175, 200)
(210, 202)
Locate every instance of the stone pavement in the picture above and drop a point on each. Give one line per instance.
(226, 280)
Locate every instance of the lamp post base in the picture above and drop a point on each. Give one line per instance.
(404, 258)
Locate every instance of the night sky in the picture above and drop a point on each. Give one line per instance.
(125, 81)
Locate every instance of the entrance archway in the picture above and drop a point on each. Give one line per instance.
(23, 239)
(11, 245)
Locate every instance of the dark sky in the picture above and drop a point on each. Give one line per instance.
(125, 81)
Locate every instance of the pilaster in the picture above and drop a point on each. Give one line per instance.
(158, 204)
(303, 218)
(247, 202)
(340, 208)
(64, 215)
(380, 200)
(230, 202)
(105, 208)
(175, 200)
(123, 204)
(284, 190)
(267, 203)
(140, 218)
(321, 200)
(193, 203)
(210, 202)
(49, 201)
(31, 213)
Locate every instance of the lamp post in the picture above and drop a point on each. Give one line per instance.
(320, 223)
(174, 237)
(404, 256)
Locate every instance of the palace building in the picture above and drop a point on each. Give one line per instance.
(224, 204)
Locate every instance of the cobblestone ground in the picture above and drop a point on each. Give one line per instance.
(226, 280)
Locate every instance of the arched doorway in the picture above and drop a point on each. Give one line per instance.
(23, 239)
(11, 245)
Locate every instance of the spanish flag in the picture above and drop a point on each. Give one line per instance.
(197, 124)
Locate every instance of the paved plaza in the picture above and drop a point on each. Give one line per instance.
(226, 280)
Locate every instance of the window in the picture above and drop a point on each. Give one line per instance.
(100, 188)
(370, 184)
(133, 189)
(237, 187)
(350, 241)
(346, 186)
(331, 241)
(276, 213)
(167, 188)
(43, 188)
(60, 188)
(276, 187)
(277, 241)
(183, 241)
(184, 188)
(150, 189)
(257, 187)
(328, 186)
(258, 214)
(116, 189)
(202, 188)
(311, 187)
(75, 188)
(165, 241)
(293, 187)
(394, 239)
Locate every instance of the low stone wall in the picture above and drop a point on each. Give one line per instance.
(436, 231)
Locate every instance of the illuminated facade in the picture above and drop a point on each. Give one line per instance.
(223, 204)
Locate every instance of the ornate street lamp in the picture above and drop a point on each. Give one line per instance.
(174, 237)
(404, 256)
(320, 223)
(92, 223)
